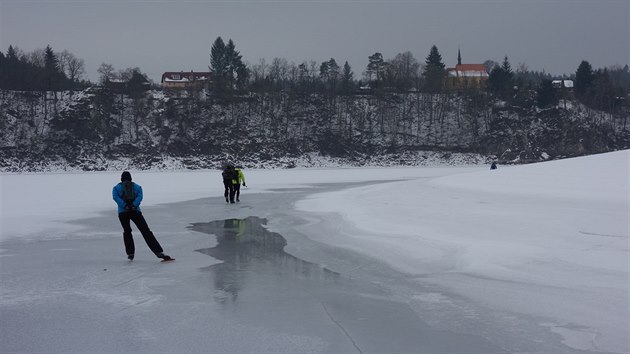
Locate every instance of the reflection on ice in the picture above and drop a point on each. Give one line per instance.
(245, 246)
(262, 285)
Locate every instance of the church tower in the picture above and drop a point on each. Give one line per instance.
(459, 57)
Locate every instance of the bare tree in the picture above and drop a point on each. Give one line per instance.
(404, 70)
(279, 71)
(106, 71)
(127, 74)
(63, 57)
(259, 71)
(489, 65)
(294, 73)
(36, 57)
(313, 68)
(279, 68)
(73, 67)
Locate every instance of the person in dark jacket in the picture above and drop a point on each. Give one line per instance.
(229, 174)
(128, 196)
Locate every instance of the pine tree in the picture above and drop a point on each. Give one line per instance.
(12, 54)
(507, 68)
(50, 59)
(329, 74)
(375, 68)
(584, 78)
(347, 78)
(17, 74)
(218, 64)
(226, 66)
(508, 79)
(434, 71)
(602, 94)
(232, 60)
(496, 79)
(545, 95)
(501, 80)
(242, 76)
(53, 76)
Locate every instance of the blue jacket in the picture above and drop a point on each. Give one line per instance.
(117, 193)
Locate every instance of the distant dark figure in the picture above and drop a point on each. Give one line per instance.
(128, 196)
(229, 175)
(493, 166)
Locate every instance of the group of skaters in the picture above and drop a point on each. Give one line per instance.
(128, 196)
(233, 177)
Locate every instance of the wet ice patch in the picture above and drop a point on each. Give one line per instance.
(575, 336)
(435, 298)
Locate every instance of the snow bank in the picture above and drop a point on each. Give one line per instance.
(547, 239)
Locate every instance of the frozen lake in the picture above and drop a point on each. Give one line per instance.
(81, 295)
(323, 261)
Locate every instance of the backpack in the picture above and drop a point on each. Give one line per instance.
(235, 175)
(227, 174)
(230, 174)
(128, 192)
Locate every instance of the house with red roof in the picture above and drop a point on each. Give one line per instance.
(185, 79)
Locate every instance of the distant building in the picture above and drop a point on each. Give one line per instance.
(137, 84)
(185, 80)
(466, 75)
(562, 84)
(116, 85)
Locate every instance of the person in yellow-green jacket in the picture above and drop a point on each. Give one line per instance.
(238, 181)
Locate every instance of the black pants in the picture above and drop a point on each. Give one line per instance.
(237, 188)
(137, 219)
(229, 190)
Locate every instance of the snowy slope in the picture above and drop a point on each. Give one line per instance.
(547, 239)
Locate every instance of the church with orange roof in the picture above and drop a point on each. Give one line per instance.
(466, 76)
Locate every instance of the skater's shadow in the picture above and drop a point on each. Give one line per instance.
(249, 251)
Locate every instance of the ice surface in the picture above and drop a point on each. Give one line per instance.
(519, 259)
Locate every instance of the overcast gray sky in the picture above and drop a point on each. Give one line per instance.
(171, 35)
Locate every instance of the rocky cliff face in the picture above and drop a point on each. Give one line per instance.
(97, 130)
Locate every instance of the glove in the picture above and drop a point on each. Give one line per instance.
(130, 207)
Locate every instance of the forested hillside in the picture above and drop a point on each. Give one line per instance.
(96, 129)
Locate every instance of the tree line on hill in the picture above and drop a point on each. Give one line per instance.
(606, 89)
(41, 70)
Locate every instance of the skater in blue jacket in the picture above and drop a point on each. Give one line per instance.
(128, 196)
